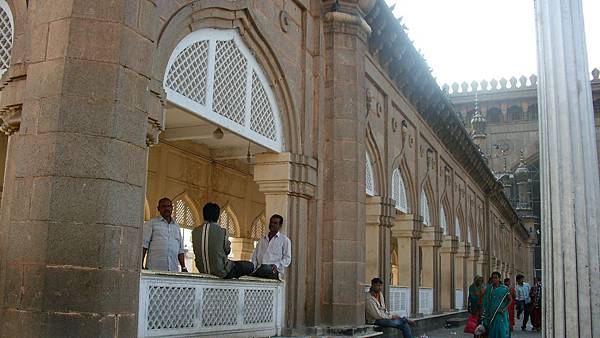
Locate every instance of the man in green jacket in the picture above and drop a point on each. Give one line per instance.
(212, 246)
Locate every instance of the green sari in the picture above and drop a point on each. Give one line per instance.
(496, 300)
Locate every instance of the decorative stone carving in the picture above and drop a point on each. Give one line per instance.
(369, 101)
(284, 21)
(152, 132)
(11, 119)
(395, 125)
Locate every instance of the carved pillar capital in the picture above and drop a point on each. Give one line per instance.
(380, 210)
(11, 119)
(286, 173)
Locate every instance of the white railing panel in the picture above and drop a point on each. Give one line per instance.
(175, 304)
(399, 302)
(426, 301)
(459, 299)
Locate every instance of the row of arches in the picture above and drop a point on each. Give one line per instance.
(400, 194)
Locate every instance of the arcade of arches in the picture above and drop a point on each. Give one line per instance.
(312, 116)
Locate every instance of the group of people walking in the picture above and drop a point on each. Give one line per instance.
(492, 306)
(163, 246)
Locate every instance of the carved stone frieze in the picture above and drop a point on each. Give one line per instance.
(11, 119)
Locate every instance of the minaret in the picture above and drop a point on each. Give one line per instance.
(478, 126)
(522, 178)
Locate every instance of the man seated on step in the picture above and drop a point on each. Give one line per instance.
(378, 314)
(212, 246)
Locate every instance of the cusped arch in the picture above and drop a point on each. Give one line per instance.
(185, 212)
(184, 21)
(458, 225)
(229, 221)
(445, 216)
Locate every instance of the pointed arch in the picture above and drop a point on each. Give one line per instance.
(445, 217)
(369, 176)
(458, 226)
(426, 205)
(259, 228)
(374, 164)
(399, 193)
(469, 227)
(229, 221)
(184, 211)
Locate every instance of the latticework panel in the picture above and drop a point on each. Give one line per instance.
(443, 223)
(259, 228)
(229, 98)
(188, 74)
(219, 307)
(399, 191)
(369, 179)
(227, 221)
(6, 38)
(457, 228)
(262, 119)
(170, 307)
(183, 214)
(258, 306)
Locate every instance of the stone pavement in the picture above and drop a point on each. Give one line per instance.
(458, 332)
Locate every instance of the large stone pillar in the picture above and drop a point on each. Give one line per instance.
(430, 246)
(343, 160)
(288, 182)
(72, 248)
(447, 252)
(569, 173)
(378, 236)
(242, 248)
(407, 231)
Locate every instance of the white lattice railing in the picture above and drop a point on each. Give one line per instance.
(426, 301)
(199, 305)
(399, 301)
(458, 299)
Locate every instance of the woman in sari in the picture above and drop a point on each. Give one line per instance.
(476, 291)
(495, 315)
(511, 306)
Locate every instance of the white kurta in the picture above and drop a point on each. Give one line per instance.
(163, 241)
(277, 251)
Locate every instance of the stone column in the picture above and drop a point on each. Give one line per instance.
(288, 182)
(569, 173)
(407, 231)
(378, 237)
(343, 160)
(242, 248)
(71, 258)
(447, 252)
(430, 246)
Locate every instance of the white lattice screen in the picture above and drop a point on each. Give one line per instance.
(399, 191)
(6, 35)
(259, 228)
(183, 214)
(198, 305)
(213, 74)
(457, 228)
(369, 178)
(425, 208)
(227, 220)
(443, 222)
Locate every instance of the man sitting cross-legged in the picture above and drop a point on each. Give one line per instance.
(377, 314)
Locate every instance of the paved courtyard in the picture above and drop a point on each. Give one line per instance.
(458, 332)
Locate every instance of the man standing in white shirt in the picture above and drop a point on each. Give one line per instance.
(523, 300)
(162, 241)
(273, 252)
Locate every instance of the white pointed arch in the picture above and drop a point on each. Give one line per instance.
(425, 209)
(7, 31)
(214, 75)
(259, 227)
(457, 231)
(369, 176)
(443, 222)
(399, 191)
(184, 212)
(229, 221)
